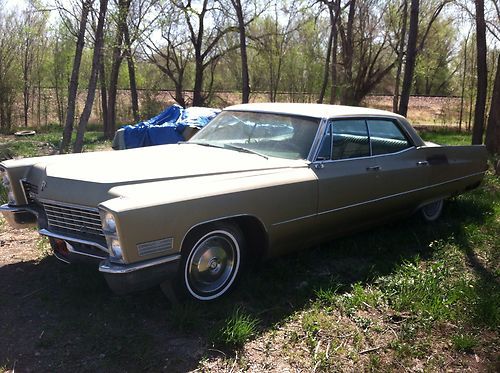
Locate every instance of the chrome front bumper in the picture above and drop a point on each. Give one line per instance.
(18, 217)
(121, 278)
(125, 278)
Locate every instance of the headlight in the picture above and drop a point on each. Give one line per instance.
(116, 249)
(6, 183)
(110, 232)
(5, 179)
(109, 223)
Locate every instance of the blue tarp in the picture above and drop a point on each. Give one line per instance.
(167, 127)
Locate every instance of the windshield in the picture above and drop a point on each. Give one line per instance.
(273, 135)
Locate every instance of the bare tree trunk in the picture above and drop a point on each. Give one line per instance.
(245, 80)
(131, 74)
(26, 80)
(411, 56)
(123, 7)
(347, 95)
(463, 84)
(326, 72)
(492, 139)
(39, 101)
(401, 52)
(334, 86)
(104, 95)
(96, 59)
(198, 99)
(482, 75)
(73, 85)
(60, 114)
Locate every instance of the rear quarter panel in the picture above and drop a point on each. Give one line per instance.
(454, 169)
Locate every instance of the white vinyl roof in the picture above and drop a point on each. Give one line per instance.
(311, 110)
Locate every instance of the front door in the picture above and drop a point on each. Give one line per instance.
(347, 176)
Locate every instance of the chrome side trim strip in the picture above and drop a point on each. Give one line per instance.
(46, 232)
(107, 267)
(378, 199)
(295, 219)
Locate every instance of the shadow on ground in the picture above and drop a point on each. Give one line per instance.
(56, 317)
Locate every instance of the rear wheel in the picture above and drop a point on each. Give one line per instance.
(432, 211)
(211, 262)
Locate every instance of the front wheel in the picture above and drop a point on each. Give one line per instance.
(432, 211)
(211, 261)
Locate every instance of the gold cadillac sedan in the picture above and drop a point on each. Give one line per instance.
(257, 181)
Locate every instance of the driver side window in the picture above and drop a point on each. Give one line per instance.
(345, 139)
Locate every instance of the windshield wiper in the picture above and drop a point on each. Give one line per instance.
(201, 143)
(245, 150)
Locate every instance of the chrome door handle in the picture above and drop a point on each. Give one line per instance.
(422, 163)
(373, 168)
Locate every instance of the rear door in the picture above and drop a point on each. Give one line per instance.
(402, 169)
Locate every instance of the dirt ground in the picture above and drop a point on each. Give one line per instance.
(55, 317)
(48, 322)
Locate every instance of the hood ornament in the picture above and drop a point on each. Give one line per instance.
(43, 185)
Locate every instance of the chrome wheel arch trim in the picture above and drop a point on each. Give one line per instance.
(222, 218)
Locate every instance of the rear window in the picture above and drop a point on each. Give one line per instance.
(386, 137)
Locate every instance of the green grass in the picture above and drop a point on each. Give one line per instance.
(238, 328)
(446, 136)
(464, 343)
(46, 141)
(407, 288)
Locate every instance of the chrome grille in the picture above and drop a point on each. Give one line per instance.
(30, 190)
(73, 218)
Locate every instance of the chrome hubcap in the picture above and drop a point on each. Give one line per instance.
(212, 264)
(432, 209)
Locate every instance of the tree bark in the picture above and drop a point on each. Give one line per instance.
(326, 71)
(245, 79)
(401, 47)
(347, 94)
(96, 60)
(26, 79)
(104, 94)
(131, 73)
(482, 75)
(334, 85)
(73, 85)
(492, 139)
(411, 56)
(123, 8)
(462, 95)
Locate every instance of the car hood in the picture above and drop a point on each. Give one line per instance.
(86, 179)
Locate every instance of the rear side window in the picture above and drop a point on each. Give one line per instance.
(386, 137)
(345, 139)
